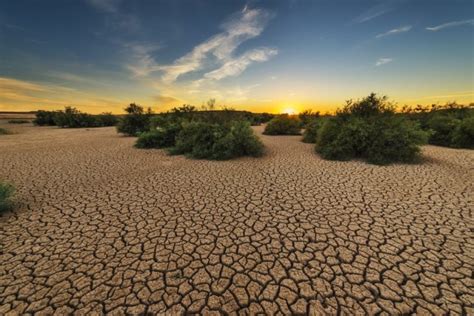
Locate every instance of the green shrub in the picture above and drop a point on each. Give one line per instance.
(6, 191)
(73, 118)
(161, 137)
(307, 117)
(203, 140)
(4, 131)
(311, 131)
(283, 125)
(18, 121)
(370, 130)
(136, 120)
(45, 118)
(463, 135)
(442, 129)
(239, 141)
(395, 139)
(106, 119)
(341, 139)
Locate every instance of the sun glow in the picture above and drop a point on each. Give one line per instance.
(289, 111)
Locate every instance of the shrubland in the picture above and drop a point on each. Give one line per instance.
(6, 191)
(283, 125)
(311, 129)
(369, 129)
(18, 121)
(214, 135)
(450, 125)
(135, 121)
(71, 117)
(4, 131)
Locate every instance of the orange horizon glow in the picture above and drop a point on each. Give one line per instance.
(24, 96)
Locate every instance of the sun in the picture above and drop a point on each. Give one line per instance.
(289, 111)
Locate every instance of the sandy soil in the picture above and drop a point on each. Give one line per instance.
(102, 227)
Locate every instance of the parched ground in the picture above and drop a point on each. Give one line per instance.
(102, 227)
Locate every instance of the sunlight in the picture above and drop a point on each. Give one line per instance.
(289, 111)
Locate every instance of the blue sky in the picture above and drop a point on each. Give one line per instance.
(100, 55)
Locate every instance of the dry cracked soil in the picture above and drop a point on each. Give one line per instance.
(103, 228)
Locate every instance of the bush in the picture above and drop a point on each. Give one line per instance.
(442, 129)
(239, 141)
(136, 120)
(283, 125)
(395, 140)
(161, 137)
(369, 129)
(106, 119)
(4, 131)
(463, 135)
(18, 121)
(311, 131)
(308, 116)
(73, 118)
(45, 118)
(203, 140)
(6, 191)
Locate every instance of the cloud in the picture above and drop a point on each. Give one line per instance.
(236, 66)
(395, 31)
(19, 94)
(373, 12)
(383, 61)
(218, 49)
(115, 18)
(247, 24)
(144, 63)
(450, 24)
(9, 84)
(107, 6)
(166, 100)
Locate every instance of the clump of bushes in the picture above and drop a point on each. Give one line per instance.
(18, 121)
(308, 116)
(136, 121)
(4, 131)
(463, 136)
(45, 118)
(450, 125)
(73, 118)
(369, 129)
(311, 129)
(201, 135)
(283, 125)
(203, 140)
(6, 191)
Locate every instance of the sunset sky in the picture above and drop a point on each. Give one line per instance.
(100, 55)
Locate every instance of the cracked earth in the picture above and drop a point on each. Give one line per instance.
(103, 228)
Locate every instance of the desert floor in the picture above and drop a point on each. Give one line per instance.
(101, 227)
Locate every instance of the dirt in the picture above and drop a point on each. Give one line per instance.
(101, 227)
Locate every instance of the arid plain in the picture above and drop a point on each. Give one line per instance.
(101, 227)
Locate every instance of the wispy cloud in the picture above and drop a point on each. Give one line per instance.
(217, 50)
(383, 61)
(373, 12)
(115, 18)
(450, 24)
(108, 6)
(395, 31)
(144, 63)
(236, 66)
(247, 24)
(16, 94)
(166, 100)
